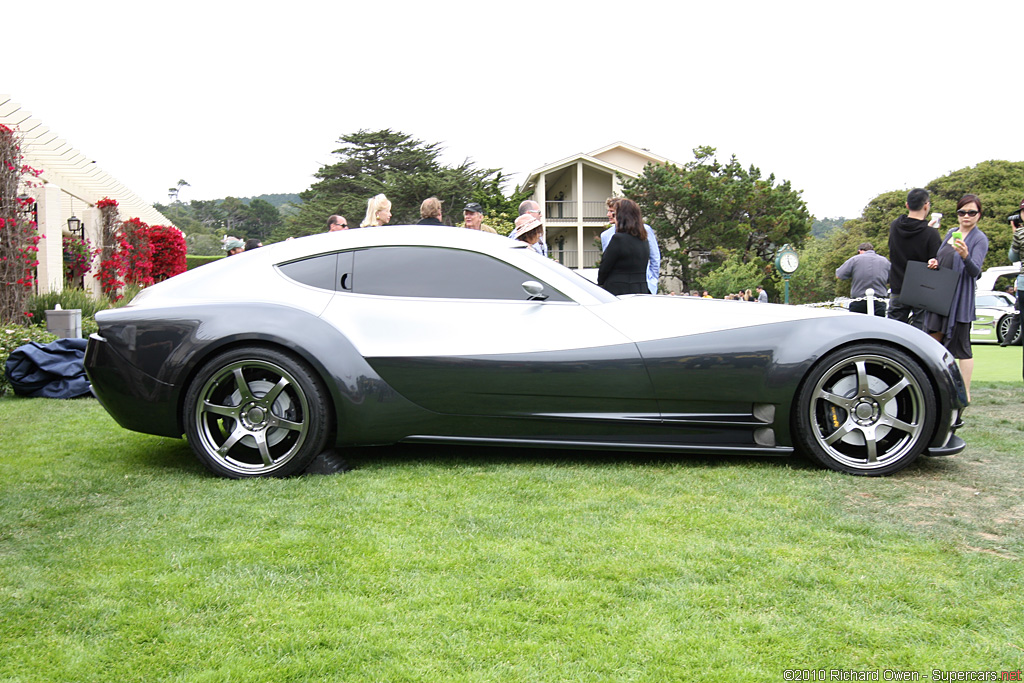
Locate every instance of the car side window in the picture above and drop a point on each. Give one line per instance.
(439, 272)
(319, 271)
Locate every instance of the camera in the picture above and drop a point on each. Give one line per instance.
(1015, 220)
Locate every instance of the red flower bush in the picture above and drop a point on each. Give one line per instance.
(167, 251)
(18, 238)
(136, 254)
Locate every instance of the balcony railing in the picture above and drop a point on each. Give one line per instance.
(566, 211)
(570, 259)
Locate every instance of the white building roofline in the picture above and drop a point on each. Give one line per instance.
(69, 169)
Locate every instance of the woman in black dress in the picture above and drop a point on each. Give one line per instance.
(624, 263)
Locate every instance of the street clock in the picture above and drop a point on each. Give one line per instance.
(787, 260)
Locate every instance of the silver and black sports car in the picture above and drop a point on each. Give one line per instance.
(444, 335)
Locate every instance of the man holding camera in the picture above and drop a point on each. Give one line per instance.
(1016, 249)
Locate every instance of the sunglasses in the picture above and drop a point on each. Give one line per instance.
(971, 213)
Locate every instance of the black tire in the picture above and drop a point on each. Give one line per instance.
(1003, 330)
(256, 412)
(866, 409)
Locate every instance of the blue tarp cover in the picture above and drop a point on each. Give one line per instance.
(54, 370)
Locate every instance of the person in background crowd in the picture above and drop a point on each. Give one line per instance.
(252, 244)
(474, 216)
(654, 258)
(762, 296)
(529, 229)
(336, 223)
(430, 212)
(234, 246)
(867, 270)
(911, 238)
(1015, 252)
(704, 295)
(624, 264)
(966, 256)
(378, 212)
(528, 206)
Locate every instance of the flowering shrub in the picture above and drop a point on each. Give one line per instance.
(111, 269)
(78, 258)
(18, 238)
(167, 251)
(136, 255)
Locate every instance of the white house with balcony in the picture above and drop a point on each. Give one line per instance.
(573, 192)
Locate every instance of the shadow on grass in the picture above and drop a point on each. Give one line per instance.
(171, 454)
(498, 456)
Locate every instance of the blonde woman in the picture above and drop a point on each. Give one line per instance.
(378, 212)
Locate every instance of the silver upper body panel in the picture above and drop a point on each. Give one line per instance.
(381, 326)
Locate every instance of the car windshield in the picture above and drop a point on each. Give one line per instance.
(992, 300)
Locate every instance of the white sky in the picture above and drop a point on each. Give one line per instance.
(844, 99)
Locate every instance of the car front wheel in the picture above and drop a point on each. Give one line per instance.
(1003, 330)
(867, 410)
(256, 412)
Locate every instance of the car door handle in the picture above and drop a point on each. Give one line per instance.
(345, 284)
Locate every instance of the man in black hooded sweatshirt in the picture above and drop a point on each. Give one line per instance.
(911, 238)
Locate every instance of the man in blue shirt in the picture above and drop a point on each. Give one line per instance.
(654, 265)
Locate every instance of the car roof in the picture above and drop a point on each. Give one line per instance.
(220, 279)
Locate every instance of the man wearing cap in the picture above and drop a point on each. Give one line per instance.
(867, 270)
(911, 238)
(234, 246)
(653, 264)
(474, 215)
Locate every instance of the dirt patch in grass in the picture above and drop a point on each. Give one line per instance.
(973, 501)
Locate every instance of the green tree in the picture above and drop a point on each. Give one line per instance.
(262, 218)
(823, 226)
(732, 276)
(708, 212)
(235, 217)
(405, 169)
(1000, 184)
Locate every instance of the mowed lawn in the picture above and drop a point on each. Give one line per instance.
(121, 559)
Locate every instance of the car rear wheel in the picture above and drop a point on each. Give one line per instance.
(867, 410)
(256, 412)
(1003, 331)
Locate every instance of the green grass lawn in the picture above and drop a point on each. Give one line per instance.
(121, 559)
(993, 363)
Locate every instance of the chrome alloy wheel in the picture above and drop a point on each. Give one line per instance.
(251, 417)
(869, 412)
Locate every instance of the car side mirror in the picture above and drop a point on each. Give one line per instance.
(535, 290)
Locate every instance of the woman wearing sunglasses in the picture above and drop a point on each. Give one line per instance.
(963, 250)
